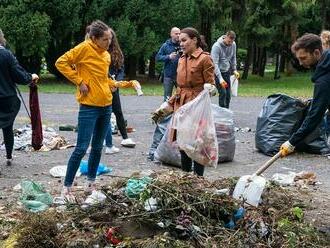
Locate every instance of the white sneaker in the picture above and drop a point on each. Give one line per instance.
(67, 195)
(128, 143)
(90, 186)
(111, 150)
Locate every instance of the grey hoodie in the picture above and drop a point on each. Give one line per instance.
(224, 57)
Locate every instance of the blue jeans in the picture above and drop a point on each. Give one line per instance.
(224, 94)
(92, 121)
(168, 83)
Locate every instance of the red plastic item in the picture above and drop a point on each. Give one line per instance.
(110, 235)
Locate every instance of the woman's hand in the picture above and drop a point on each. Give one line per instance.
(83, 89)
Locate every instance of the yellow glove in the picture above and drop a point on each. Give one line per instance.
(236, 74)
(224, 84)
(286, 149)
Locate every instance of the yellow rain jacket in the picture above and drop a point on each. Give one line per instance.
(89, 64)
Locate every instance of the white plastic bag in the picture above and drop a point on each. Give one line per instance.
(234, 85)
(196, 131)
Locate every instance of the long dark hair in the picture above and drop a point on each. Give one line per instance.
(117, 57)
(193, 33)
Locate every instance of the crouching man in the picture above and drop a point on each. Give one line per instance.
(308, 50)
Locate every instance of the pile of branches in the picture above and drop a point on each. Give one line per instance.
(185, 211)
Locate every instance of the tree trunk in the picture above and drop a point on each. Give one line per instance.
(277, 74)
(131, 66)
(142, 65)
(255, 59)
(262, 62)
(206, 27)
(247, 61)
(152, 66)
(282, 61)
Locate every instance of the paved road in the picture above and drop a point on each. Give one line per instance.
(60, 109)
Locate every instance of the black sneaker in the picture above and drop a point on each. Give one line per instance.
(9, 161)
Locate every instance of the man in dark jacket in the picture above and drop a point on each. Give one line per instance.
(308, 50)
(169, 53)
(10, 74)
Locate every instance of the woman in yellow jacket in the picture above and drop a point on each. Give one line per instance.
(87, 65)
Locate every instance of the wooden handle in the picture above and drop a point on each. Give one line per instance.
(268, 163)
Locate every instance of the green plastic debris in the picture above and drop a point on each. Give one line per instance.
(34, 197)
(135, 186)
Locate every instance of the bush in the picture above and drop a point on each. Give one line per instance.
(241, 56)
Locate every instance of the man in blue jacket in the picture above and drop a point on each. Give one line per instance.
(308, 50)
(169, 53)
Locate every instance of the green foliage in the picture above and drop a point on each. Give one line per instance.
(30, 32)
(241, 56)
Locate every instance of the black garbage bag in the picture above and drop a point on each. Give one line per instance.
(316, 142)
(158, 135)
(280, 117)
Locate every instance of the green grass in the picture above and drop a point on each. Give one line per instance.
(298, 85)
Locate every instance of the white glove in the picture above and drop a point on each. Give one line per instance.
(164, 110)
(211, 88)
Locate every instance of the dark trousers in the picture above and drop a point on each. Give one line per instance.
(224, 94)
(186, 164)
(8, 136)
(116, 109)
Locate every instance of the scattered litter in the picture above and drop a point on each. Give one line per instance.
(150, 204)
(34, 197)
(284, 179)
(68, 128)
(95, 198)
(17, 187)
(304, 178)
(111, 236)
(135, 186)
(51, 140)
(101, 169)
(60, 171)
(188, 214)
(301, 179)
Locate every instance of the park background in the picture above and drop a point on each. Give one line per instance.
(38, 32)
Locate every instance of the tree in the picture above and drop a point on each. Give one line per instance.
(26, 27)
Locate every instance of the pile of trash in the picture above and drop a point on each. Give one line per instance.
(169, 209)
(51, 140)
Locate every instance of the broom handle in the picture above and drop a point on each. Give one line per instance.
(267, 164)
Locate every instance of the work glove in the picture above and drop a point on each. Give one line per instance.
(211, 88)
(224, 84)
(236, 74)
(286, 149)
(137, 87)
(35, 78)
(164, 110)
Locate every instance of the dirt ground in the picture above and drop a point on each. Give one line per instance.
(59, 109)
